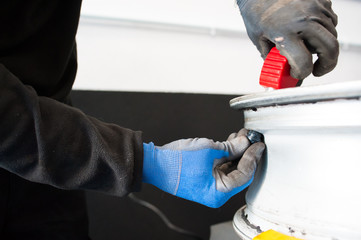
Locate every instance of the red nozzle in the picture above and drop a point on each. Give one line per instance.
(275, 72)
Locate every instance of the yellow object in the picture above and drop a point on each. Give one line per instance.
(273, 235)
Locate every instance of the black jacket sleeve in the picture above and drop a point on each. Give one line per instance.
(46, 141)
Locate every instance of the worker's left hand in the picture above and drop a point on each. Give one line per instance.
(298, 28)
(202, 170)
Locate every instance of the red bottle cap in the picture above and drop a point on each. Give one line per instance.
(275, 72)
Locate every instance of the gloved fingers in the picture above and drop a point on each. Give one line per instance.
(328, 11)
(298, 55)
(250, 159)
(313, 38)
(326, 23)
(326, 46)
(264, 46)
(223, 182)
(236, 144)
(241, 132)
(230, 175)
(225, 165)
(323, 19)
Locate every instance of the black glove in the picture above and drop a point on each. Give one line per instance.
(298, 28)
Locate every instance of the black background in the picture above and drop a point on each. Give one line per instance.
(163, 117)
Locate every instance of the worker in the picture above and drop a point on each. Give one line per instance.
(50, 150)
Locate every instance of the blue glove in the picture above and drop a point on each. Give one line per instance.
(202, 170)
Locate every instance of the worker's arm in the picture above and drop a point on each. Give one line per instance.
(45, 141)
(202, 170)
(298, 28)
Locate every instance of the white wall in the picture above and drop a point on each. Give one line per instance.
(193, 46)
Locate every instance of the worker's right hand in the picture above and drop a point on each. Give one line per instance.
(298, 28)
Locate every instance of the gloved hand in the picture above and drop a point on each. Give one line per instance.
(202, 170)
(298, 28)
